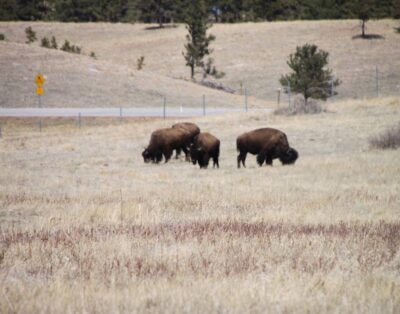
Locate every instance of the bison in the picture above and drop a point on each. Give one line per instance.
(193, 131)
(267, 144)
(204, 147)
(163, 142)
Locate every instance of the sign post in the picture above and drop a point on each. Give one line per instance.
(39, 80)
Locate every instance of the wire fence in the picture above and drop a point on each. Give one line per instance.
(379, 83)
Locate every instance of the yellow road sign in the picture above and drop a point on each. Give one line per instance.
(40, 90)
(39, 79)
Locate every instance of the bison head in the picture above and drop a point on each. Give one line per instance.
(151, 156)
(197, 156)
(147, 156)
(289, 157)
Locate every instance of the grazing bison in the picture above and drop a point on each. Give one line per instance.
(163, 142)
(267, 144)
(204, 147)
(193, 131)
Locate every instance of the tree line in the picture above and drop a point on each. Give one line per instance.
(167, 11)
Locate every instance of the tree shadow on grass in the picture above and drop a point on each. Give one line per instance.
(368, 36)
(152, 28)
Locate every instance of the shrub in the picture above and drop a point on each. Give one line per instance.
(93, 55)
(309, 75)
(30, 35)
(70, 48)
(210, 69)
(53, 43)
(45, 42)
(300, 107)
(140, 63)
(390, 139)
(2, 37)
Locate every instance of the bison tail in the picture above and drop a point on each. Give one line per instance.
(217, 149)
(238, 144)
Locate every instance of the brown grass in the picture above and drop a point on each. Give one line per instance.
(86, 226)
(390, 139)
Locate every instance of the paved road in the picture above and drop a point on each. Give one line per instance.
(116, 112)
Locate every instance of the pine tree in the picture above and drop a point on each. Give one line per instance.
(30, 35)
(396, 9)
(364, 10)
(160, 11)
(309, 76)
(197, 47)
(53, 43)
(45, 42)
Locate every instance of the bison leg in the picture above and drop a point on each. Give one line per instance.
(178, 152)
(215, 161)
(260, 158)
(268, 161)
(186, 151)
(206, 160)
(167, 155)
(157, 157)
(242, 158)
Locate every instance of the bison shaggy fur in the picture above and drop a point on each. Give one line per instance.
(267, 144)
(192, 129)
(163, 142)
(204, 147)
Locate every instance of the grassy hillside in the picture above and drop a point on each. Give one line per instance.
(84, 220)
(80, 81)
(252, 55)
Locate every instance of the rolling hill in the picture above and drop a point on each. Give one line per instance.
(253, 55)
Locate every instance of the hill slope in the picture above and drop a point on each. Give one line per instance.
(80, 81)
(252, 54)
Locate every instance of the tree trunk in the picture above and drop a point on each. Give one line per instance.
(363, 28)
(192, 71)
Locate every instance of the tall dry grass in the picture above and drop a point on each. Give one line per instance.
(86, 226)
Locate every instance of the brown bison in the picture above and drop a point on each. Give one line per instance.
(193, 131)
(204, 147)
(163, 142)
(267, 144)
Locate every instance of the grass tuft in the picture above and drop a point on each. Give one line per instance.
(389, 139)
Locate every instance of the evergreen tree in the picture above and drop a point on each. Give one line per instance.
(197, 46)
(159, 11)
(364, 10)
(309, 76)
(53, 43)
(30, 35)
(396, 9)
(45, 42)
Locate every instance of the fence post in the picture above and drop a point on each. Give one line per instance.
(332, 87)
(289, 93)
(278, 90)
(245, 99)
(40, 106)
(165, 105)
(204, 105)
(377, 81)
(79, 120)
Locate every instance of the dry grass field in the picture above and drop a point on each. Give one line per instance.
(251, 54)
(86, 226)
